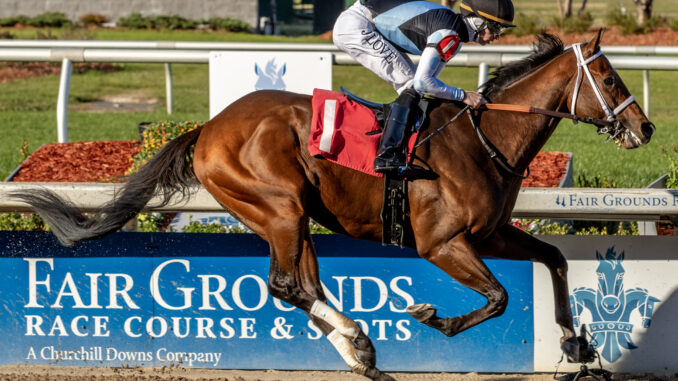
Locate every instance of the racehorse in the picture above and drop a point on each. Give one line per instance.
(253, 158)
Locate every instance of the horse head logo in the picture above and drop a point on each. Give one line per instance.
(610, 280)
(611, 306)
(271, 77)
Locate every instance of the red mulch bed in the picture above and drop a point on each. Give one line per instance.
(612, 36)
(12, 71)
(547, 170)
(79, 162)
(108, 161)
(665, 228)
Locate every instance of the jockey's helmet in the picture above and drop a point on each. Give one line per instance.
(497, 13)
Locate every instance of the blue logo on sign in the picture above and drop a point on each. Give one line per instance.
(271, 78)
(611, 306)
(560, 201)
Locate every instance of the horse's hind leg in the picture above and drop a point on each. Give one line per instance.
(459, 259)
(510, 242)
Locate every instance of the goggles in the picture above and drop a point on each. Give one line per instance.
(494, 27)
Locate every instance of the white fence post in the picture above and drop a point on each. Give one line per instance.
(483, 73)
(62, 100)
(646, 93)
(168, 88)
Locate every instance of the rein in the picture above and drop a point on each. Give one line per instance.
(555, 114)
(604, 126)
(489, 147)
(492, 150)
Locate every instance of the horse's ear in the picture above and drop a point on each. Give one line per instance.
(598, 256)
(256, 69)
(596, 40)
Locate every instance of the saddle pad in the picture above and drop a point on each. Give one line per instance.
(338, 132)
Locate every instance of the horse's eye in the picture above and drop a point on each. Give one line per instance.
(609, 81)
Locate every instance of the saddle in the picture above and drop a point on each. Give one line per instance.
(395, 207)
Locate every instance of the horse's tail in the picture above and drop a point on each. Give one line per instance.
(169, 172)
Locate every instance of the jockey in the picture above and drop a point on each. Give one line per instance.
(378, 33)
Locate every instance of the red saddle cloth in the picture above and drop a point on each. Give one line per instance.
(338, 132)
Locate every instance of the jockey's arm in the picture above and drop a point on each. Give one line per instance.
(433, 58)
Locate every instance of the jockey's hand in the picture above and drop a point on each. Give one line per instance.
(474, 99)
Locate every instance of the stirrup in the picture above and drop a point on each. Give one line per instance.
(413, 171)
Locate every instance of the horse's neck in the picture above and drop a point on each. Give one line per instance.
(546, 88)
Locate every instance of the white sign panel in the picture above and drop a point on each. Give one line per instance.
(181, 220)
(626, 292)
(234, 74)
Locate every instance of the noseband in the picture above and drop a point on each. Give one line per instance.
(615, 127)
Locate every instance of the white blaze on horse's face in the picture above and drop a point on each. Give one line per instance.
(630, 127)
(271, 77)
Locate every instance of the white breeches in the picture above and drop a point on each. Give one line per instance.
(356, 35)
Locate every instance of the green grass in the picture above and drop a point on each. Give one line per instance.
(28, 107)
(28, 110)
(629, 168)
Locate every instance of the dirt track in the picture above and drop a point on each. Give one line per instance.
(54, 373)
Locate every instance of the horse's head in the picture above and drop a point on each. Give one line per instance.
(599, 92)
(610, 279)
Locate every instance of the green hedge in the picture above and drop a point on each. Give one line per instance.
(672, 178)
(176, 22)
(133, 21)
(47, 19)
(156, 135)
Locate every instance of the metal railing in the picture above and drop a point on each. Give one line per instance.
(567, 203)
(168, 52)
(269, 46)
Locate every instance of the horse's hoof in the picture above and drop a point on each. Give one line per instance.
(571, 349)
(366, 357)
(377, 375)
(578, 350)
(422, 312)
(385, 377)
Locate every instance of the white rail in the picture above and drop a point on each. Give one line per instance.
(202, 56)
(168, 52)
(568, 203)
(266, 46)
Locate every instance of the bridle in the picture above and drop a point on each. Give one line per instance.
(615, 127)
(611, 125)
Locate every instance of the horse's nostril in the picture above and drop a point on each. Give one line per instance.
(648, 129)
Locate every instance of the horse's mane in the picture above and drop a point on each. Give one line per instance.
(546, 48)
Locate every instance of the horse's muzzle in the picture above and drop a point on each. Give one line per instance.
(647, 129)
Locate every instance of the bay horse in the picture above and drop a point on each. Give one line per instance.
(253, 158)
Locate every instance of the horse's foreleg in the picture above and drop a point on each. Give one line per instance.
(294, 278)
(310, 280)
(459, 260)
(510, 242)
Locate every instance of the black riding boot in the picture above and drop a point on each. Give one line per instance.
(391, 156)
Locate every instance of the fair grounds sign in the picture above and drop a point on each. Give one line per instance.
(235, 74)
(140, 299)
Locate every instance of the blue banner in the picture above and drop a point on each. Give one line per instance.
(200, 300)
